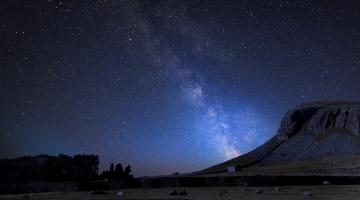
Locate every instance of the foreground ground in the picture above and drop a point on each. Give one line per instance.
(328, 192)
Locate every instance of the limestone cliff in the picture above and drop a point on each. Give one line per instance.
(320, 118)
(327, 119)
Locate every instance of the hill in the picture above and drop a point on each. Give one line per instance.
(318, 138)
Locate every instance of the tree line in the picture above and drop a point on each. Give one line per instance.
(61, 168)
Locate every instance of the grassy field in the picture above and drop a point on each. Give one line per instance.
(324, 192)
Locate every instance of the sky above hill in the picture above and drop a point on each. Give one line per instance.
(167, 85)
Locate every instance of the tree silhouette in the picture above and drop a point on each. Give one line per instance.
(49, 168)
(119, 171)
(112, 168)
(127, 170)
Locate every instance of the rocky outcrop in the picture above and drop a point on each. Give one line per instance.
(294, 120)
(320, 118)
(344, 118)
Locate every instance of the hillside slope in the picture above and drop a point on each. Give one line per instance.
(313, 138)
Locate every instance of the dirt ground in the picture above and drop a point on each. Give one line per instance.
(325, 192)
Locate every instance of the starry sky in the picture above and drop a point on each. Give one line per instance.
(167, 86)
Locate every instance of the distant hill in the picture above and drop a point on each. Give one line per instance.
(318, 138)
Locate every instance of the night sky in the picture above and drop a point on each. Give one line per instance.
(167, 86)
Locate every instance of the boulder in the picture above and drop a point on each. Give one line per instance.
(173, 193)
(183, 193)
(326, 183)
(308, 194)
(259, 191)
(120, 194)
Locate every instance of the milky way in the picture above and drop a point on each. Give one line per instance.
(167, 85)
